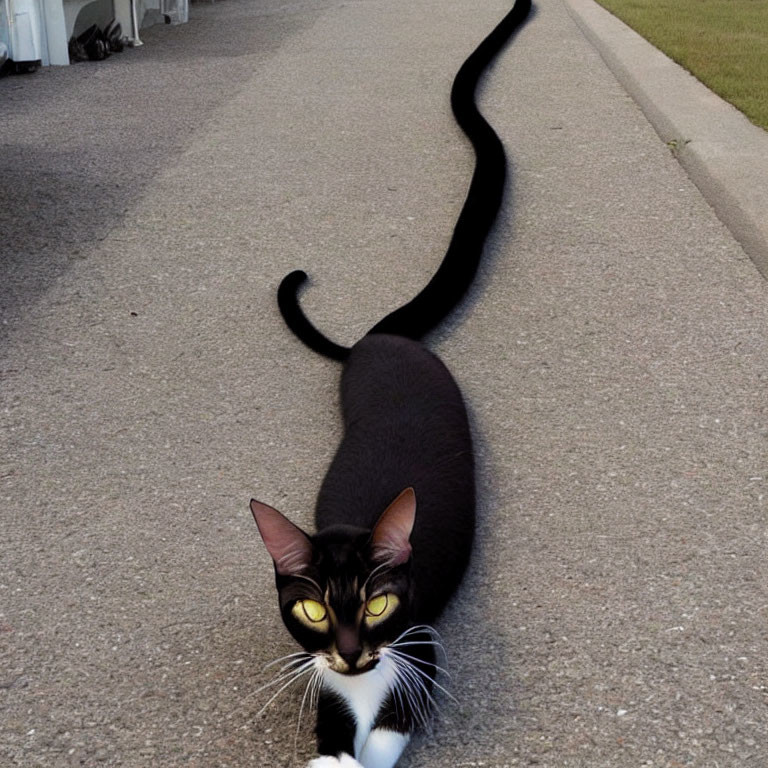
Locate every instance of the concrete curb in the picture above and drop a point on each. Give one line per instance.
(725, 155)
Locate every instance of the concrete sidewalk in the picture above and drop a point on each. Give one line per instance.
(613, 352)
(725, 155)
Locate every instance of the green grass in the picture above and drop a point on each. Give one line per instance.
(723, 43)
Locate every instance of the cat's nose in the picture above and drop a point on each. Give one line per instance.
(351, 657)
(348, 645)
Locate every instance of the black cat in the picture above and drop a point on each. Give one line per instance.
(395, 513)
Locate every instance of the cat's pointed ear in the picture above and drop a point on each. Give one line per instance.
(390, 540)
(290, 547)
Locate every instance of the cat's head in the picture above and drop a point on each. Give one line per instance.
(345, 592)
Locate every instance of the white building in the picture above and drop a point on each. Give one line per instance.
(34, 32)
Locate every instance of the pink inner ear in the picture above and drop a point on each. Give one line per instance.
(390, 540)
(289, 546)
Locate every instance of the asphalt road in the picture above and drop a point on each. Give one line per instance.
(613, 352)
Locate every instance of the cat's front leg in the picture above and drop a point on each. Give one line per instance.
(335, 734)
(383, 748)
(408, 705)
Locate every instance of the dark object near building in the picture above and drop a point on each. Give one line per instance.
(95, 44)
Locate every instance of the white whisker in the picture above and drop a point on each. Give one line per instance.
(418, 628)
(424, 675)
(309, 691)
(412, 673)
(291, 677)
(317, 687)
(397, 697)
(272, 698)
(404, 640)
(285, 673)
(406, 695)
(298, 655)
(416, 642)
(412, 690)
(294, 665)
(421, 661)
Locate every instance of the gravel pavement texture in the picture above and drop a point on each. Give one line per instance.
(613, 351)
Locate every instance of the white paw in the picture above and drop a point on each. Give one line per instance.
(326, 761)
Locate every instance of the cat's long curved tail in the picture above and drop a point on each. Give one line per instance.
(457, 270)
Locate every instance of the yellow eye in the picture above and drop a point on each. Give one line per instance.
(380, 606)
(311, 612)
(377, 605)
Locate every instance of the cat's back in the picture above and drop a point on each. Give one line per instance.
(391, 377)
(405, 425)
